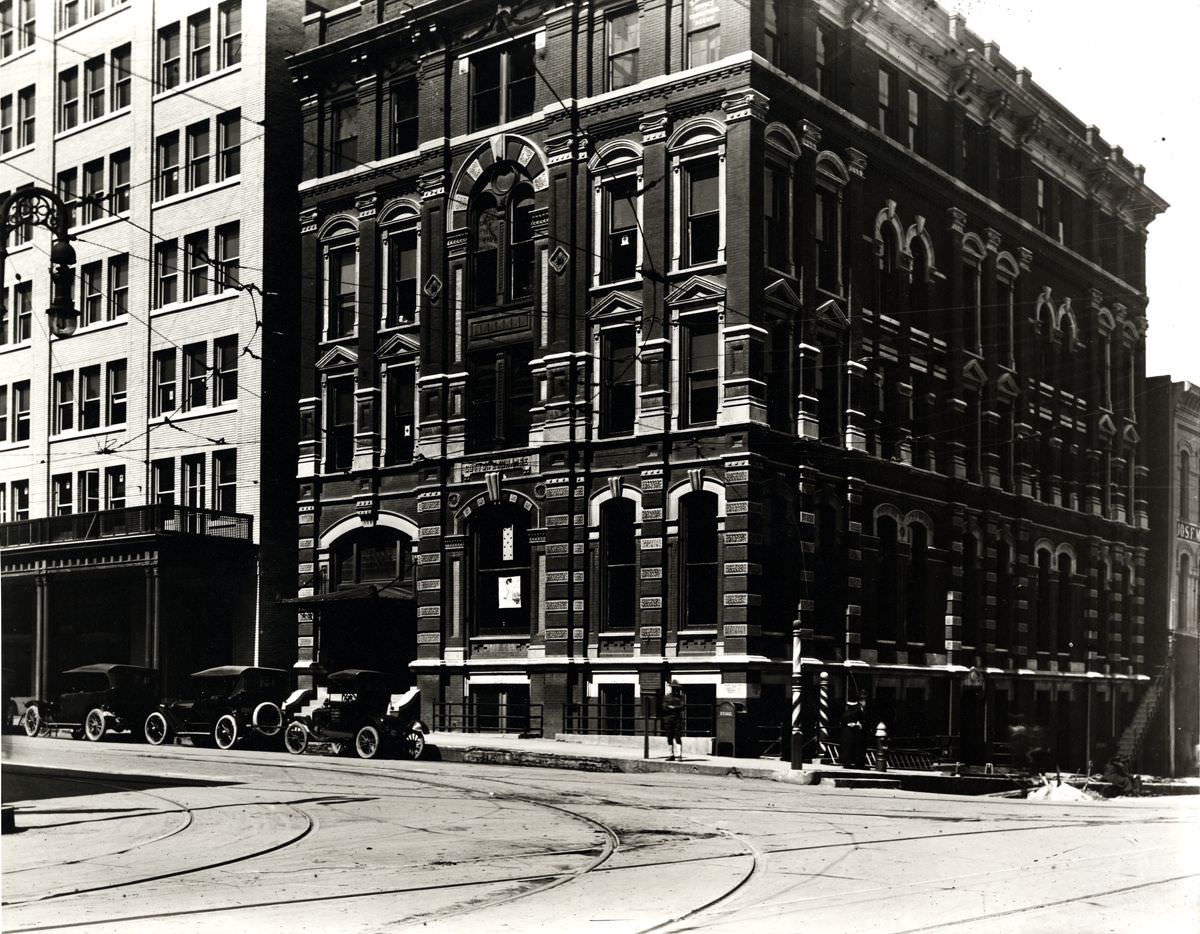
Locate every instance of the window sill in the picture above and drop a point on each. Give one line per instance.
(86, 433)
(91, 124)
(713, 267)
(20, 151)
(107, 325)
(10, 446)
(20, 248)
(20, 53)
(616, 284)
(191, 415)
(193, 83)
(502, 637)
(13, 348)
(618, 634)
(688, 633)
(90, 21)
(196, 192)
(194, 303)
(98, 223)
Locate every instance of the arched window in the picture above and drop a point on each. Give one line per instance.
(698, 524)
(400, 242)
(828, 228)
(500, 552)
(1184, 485)
(1064, 617)
(1045, 625)
(918, 290)
(520, 256)
(698, 170)
(888, 265)
(1182, 607)
(1006, 321)
(918, 584)
(1065, 370)
(377, 555)
(887, 581)
(501, 237)
(340, 250)
(1045, 341)
(487, 234)
(782, 151)
(971, 624)
(618, 565)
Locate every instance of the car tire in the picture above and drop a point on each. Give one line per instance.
(414, 744)
(32, 720)
(366, 742)
(267, 719)
(225, 731)
(94, 725)
(156, 730)
(295, 738)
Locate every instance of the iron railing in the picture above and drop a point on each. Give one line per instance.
(133, 520)
(624, 720)
(522, 719)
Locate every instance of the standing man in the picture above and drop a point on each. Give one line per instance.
(674, 701)
(854, 750)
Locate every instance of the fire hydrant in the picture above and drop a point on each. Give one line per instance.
(881, 747)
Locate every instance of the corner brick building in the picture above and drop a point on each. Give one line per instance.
(635, 332)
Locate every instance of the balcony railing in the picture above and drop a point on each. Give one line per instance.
(133, 520)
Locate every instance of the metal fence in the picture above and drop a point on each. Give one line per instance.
(132, 520)
(627, 720)
(522, 719)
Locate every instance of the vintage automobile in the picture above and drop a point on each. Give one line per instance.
(230, 703)
(359, 712)
(95, 700)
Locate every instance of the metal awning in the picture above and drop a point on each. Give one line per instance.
(355, 592)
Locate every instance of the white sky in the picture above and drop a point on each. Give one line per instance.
(1123, 67)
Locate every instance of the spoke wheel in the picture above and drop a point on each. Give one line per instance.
(366, 742)
(295, 738)
(95, 726)
(32, 721)
(156, 729)
(267, 719)
(225, 731)
(414, 744)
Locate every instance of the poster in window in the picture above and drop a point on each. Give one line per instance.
(508, 593)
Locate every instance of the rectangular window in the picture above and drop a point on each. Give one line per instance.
(64, 402)
(199, 32)
(3, 414)
(7, 130)
(401, 426)
(618, 381)
(26, 107)
(68, 191)
(825, 53)
(402, 277)
(23, 300)
(89, 397)
(404, 97)
(62, 500)
(229, 143)
(6, 28)
(70, 14)
(225, 481)
(702, 211)
(118, 286)
(20, 405)
(168, 56)
(114, 487)
(700, 370)
(93, 191)
(116, 375)
(163, 481)
(229, 25)
(68, 98)
(197, 155)
(343, 136)
(887, 97)
(164, 381)
(228, 272)
(195, 376)
(166, 272)
(92, 293)
(703, 31)
(916, 120)
(196, 269)
(3, 322)
(620, 235)
(120, 76)
(777, 191)
(88, 491)
(343, 291)
(193, 480)
(624, 40)
(339, 429)
(95, 88)
(771, 32)
(828, 233)
(503, 82)
(225, 369)
(118, 181)
(1043, 214)
(168, 164)
(20, 500)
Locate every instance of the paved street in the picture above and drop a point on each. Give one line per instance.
(189, 839)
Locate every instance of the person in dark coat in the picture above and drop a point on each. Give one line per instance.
(674, 700)
(1116, 773)
(853, 742)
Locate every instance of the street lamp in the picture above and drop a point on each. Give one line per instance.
(45, 208)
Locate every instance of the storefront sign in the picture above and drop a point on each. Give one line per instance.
(1187, 531)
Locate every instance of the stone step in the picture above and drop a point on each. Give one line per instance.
(860, 781)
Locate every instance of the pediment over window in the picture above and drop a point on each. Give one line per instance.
(398, 345)
(1130, 436)
(1106, 426)
(974, 373)
(831, 313)
(781, 293)
(697, 290)
(616, 305)
(1007, 385)
(337, 358)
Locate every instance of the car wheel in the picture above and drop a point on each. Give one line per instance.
(225, 731)
(295, 738)
(267, 719)
(414, 744)
(156, 729)
(337, 749)
(366, 742)
(94, 725)
(32, 721)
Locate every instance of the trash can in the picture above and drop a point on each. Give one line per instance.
(731, 729)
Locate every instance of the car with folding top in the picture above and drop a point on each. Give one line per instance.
(95, 700)
(230, 704)
(359, 712)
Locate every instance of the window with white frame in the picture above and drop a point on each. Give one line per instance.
(68, 192)
(4, 332)
(167, 162)
(95, 88)
(225, 369)
(623, 39)
(117, 376)
(64, 402)
(163, 374)
(20, 407)
(620, 236)
(341, 287)
(118, 182)
(229, 29)
(87, 491)
(168, 56)
(62, 500)
(225, 481)
(26, 116)
(197, 155)
(339, 423)
(114, 487)
(195, 376)
(227, 274)
(19, 500)
(68, 98)
(503, 83)
(193, 480)
(199, 38)
(618, 380)
(162, 480)
(7, 125)
(3, 414)
(7, 44)
(699, 337)
(400, 408)
(972, 286)
(698, 166)
(229, 144)
(702, 32)
(196, 265)
(89, 398)
(92, 198)
(23, 311)
(91, 293)
(401, 250)
(118, 286)
(121, 77)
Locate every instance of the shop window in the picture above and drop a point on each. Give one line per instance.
(699, 532)
(618, 564)
(618, 709)
(500, 549)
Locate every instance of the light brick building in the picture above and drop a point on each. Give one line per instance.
(635, 331)
(148, 516)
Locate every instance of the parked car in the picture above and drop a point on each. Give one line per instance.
(229, 703)
(95, 700)
(360, 712)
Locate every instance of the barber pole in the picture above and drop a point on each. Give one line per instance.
(823, 715)
(797, 732)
